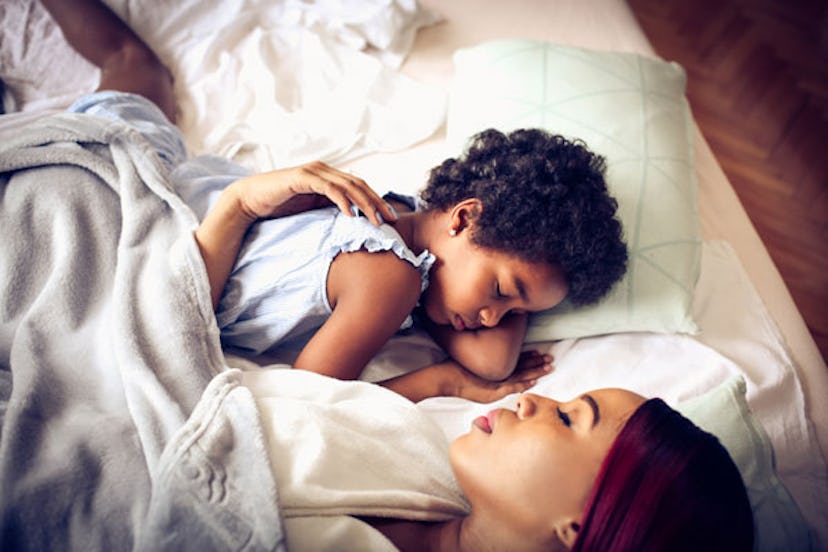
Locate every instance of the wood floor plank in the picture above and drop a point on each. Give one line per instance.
(758, 87)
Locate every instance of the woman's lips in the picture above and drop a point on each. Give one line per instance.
(482, 423)
(485, 423)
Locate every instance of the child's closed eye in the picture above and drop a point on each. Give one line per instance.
(498, 292)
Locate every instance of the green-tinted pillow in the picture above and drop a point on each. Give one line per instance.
(724, 412)
(630, 109)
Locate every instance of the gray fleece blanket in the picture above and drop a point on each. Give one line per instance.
(121, 426)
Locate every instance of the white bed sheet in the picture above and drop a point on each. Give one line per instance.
(267, 83)
(749, 321)
(766, 340)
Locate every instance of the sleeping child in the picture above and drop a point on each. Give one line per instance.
(513, 226)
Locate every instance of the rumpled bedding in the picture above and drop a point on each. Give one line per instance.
(269, 84)
(122, 428)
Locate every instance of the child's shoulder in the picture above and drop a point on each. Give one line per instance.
(358, 234)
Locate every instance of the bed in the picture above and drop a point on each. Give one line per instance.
(393, 99)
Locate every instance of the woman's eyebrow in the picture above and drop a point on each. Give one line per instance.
(593, 404)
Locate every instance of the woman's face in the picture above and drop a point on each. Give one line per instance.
(472, 287)
(537, 464)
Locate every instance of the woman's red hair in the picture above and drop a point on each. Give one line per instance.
(666, 485)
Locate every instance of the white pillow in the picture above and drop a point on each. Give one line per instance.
(630, 109)
(724, 412)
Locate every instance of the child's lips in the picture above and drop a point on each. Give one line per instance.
(458, 323)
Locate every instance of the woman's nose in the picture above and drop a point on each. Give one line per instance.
(529, 404)
(526, 405)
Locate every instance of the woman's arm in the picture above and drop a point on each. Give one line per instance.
(276, 194)
(126, 62)
(491, 353)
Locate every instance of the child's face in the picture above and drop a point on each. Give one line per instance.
(472, 287)
(539, 462)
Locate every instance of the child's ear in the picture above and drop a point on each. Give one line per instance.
(566, 530)
(464, 214)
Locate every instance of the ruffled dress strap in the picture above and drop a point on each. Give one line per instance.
(357, 234)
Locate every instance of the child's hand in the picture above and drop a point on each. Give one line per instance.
(456, 381)
(531, 359)
(449, 378)
(310, 186)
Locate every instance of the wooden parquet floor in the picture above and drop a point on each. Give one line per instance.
(758, 87)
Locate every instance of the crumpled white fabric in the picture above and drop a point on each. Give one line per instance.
(268, 84)
(40, 70)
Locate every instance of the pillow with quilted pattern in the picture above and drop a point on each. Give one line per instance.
(630, 109)
(724, 412)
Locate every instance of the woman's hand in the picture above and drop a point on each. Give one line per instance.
(294, 190)
(449, 378)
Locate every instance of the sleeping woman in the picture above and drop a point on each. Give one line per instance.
(516, 224)
(604, 471)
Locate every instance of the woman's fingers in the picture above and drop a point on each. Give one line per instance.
(359, 194)
(289, 191)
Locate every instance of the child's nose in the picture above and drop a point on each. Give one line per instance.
(490, 317)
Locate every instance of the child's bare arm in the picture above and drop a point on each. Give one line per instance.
(491, 353)
(449, 379)
(371, 294)
(127, 63)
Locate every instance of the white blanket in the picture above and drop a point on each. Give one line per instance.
(269, 84)
(121, 427)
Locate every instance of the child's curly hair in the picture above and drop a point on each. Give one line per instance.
(544, 198)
